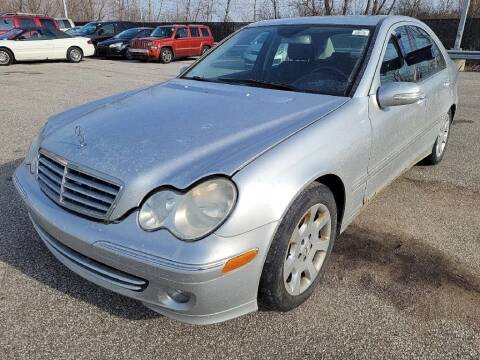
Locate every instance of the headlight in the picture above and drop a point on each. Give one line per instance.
(118, 45)
(31, 157)
(191, 215)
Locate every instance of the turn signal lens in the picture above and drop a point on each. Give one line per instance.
(240, 260)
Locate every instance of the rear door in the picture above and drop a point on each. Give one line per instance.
(433, 76)
(182, 42)
(197, 40)
(394, 129)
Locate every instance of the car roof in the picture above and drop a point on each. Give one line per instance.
(358, 20)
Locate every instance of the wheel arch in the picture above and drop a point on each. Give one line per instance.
(9, 50)
(453, 110)
(337, 187)
(168, 47)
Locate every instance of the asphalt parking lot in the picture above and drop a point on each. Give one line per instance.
(403, 282)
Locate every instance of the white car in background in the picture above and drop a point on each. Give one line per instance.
(65, 24)
(42, 44)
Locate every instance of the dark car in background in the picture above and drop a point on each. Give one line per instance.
(9, 21)
(99, 31)
(119, 44)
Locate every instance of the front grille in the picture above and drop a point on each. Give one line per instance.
(75, 188)
(139, 44)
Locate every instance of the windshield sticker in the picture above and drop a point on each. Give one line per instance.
(362, 32)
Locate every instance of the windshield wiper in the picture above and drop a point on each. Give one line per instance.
(260, 83)
(200, 78)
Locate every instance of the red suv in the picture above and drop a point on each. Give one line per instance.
(173, 41)
(10, 21)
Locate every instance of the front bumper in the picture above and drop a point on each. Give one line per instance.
(107, 51)
(151, 266)
(144, 54)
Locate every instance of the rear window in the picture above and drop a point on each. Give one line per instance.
(194, 32)
(6, 24)
(26, 22)
(47, 23)
(205, 32)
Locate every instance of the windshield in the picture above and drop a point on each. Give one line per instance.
(306, 58)
(9, 35)
(127, 34)
(162, 32)
(89, 28)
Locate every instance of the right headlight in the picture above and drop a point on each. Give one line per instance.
(31, 158)
(191, 215)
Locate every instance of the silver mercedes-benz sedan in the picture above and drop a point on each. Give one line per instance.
(225, 188)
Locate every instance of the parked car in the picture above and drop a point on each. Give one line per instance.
(99, 31)
(169, 42)
(65, 24)
(72, 31)
(42, 44)
(118, 45)
(10, 21)
(226, 187)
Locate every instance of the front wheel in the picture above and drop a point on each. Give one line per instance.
(205, 49)
(128, 54)
(300, 249)
(74, 54)
(166, 55)
(440, 146)
(6, 57)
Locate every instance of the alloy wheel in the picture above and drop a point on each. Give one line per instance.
(443, 136)
(307, 249)
(4, 57)
(75, 55)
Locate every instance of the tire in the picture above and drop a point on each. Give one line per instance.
(205, 49)
(6, 57)
(74, 54)
(291, 245)
(128, 55)
(440, 145)
(166, 55)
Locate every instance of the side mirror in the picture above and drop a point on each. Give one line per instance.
(399, 93)
(182, 69)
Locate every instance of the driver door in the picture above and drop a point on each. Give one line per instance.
(33, 45)
(395, 128)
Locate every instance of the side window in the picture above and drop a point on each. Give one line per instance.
(435, 61)
(205, 32)
(27, 23)
(6, 24)
(47, 23)
(31, 35)
(181, 33)
(394, 68)
(107, 30)
(194, 32)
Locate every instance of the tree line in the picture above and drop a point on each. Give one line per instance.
(233, 10)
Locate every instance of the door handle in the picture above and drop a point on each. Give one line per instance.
(446, 83)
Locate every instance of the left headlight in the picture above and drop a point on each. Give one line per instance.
(190, 215)
(118, 45)
(31, 158)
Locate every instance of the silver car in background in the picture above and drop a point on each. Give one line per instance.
(226, 187)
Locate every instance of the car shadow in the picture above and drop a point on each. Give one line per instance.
(22, 249)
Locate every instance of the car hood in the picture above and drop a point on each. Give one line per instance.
(180, 131)
(113, 41)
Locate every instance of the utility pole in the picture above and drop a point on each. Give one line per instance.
(65, 8)
(465, 4)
